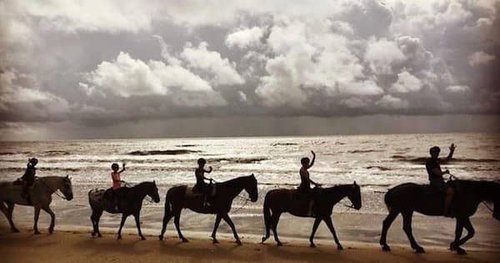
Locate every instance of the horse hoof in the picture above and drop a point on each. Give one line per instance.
(312, 245)
(119, 237)
(263, 240)
(386, 248)
(339, 247)
(215, 241)
(184, 240)
(461, 251)
(160, 238)
(143, 238)
(15, 230)
(453, 247)
(419, 250)
(238, 242)
(51, 231)
(279, 244)
(37, 232)
(99, 235)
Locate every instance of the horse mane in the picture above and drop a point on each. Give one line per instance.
(235, 179)
(488, 189)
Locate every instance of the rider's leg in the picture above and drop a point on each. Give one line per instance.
(447, 202)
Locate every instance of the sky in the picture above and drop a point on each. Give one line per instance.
(121, 69)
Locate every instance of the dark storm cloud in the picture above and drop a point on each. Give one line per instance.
(156, 60)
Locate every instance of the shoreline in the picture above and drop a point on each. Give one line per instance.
(78, 246)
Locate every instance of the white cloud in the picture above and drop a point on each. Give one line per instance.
(127, 77)
(390, 102)
(383, 55)
(406, 83)
(245, 37)
(480, 57)
(222, 70)
(457, 88)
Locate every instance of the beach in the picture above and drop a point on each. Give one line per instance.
(78, 246)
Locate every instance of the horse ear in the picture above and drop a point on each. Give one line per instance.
(355, 183)
(154, 181)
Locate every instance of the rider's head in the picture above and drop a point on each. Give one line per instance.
(115, 167)
(434, 151)
(202, 162)
(33, 161)
(304, 161)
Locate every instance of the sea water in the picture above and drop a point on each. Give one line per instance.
(375, 162)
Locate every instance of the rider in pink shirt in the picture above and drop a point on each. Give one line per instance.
(117, 182)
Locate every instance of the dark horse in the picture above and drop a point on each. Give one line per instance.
(409, 197)
(180, 197)
(130, 204)
(279, 201)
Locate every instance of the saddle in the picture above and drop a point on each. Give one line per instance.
(111, 198)
(193, 191)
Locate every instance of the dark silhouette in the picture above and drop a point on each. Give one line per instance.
(129, 204)
(409, 197)
(304, 188)
(279, 201)
(28, 178)
(41, 197)
(201, 186)
(432, 165)
(116, 192)
(180, 197)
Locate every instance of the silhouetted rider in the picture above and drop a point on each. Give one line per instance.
(29, 177)
(200, 185)
(436, 179)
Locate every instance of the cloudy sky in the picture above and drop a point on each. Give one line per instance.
(104, 69)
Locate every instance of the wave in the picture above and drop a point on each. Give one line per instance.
(162, 152)
(238, 160)
(186, 145)
(284, 144)
(365, 151)
(422, 160)
(13, 153)
(381, 168)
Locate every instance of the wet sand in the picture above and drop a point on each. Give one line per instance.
(78, 246)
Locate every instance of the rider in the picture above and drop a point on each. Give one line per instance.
(200, 185)
(305, 181)
(117, 183)
(29, 177)
(436, 175)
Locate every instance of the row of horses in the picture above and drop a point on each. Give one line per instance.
(404, 199)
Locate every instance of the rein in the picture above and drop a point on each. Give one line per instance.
(212, 181)
(54, 191)
(453, 177)
(146, 197)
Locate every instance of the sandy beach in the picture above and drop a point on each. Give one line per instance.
(78, 246)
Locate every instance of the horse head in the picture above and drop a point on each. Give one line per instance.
(251, 188)
(153, 192)
(66, 188)
(355, 196)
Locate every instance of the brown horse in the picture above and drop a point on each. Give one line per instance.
(279, 201)
(41, 197)
(180, 197)
(409, 197)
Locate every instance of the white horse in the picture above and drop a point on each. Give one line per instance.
(41, 197)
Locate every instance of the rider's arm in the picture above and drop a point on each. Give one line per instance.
(437, 172)
(209, 170)
(450, 155)
(122, 170)
(313, 159)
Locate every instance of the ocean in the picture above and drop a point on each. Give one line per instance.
(375, 162)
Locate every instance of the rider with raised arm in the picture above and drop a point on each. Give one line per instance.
(200, 185)
(117, 182)
(436, 179)
(305, 180)
(28, 177)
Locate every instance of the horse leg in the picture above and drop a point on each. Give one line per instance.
(231, 224)
(458, 234)
(216, 225)
(124, 217)
(329, 223)
(37, 215)
(177, 217)
(470, 233)
(385, 227)
(407, 216)
(313, 232)
(52, 218)
(8, 213)
(96, 216)
(274, 226)
(166, 218)
(138, 224)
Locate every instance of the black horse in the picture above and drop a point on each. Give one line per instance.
(129, 204)
(180, 197)
(279, 201)
(409, 197)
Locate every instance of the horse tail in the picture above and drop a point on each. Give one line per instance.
(388, 199)
(267, 214)
(168, 205)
